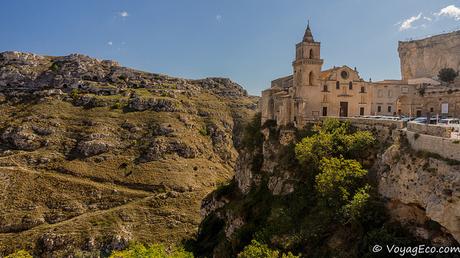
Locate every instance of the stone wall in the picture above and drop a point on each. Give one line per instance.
(434, 130)
(446, 148)
(424, 58)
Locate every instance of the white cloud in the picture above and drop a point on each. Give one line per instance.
(218, 18)
(450, 11)
(124, 14)
(110, 43)
(427, 18)
(407, 24)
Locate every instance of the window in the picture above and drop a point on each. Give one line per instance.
(337, 85)
(389, 109)
(389, 93)
(311, 53)
(350, 85)
(325, 88)
(310, 78)
(361, 111)
(362, 89)
(324, 111)
(379, 108)
(431, 109)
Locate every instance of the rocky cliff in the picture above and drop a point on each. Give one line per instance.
(425, 57)
(421, 187)
(94, 155)
(272, 200)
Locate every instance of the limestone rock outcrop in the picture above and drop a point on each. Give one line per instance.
(425, 57)
(430, 184)
(21, 138)
(94, 155)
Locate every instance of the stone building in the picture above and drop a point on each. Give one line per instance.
(310, 92)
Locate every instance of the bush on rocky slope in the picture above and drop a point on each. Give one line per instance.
(136, 250)
(332, 211)
(19, 254)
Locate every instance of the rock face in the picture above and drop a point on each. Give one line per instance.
(425, 57)
(21, 138)
(421, 193)
(94, 155)
(430, 184)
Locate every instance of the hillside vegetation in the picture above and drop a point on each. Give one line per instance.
(332, 210)
(94, 155)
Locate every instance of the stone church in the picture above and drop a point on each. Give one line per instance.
(311, 93)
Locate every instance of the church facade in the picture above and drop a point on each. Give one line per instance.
(310, 92)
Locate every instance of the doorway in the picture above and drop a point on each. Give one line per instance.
(324, 111)
(343, 109)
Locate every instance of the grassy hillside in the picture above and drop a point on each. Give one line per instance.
(85, 171)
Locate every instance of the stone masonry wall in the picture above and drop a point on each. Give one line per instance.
(445, 147)
(434, 130)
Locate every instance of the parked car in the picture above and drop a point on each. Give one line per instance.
(393, 118)
(423, 120)
(450, 122)
(406, 118)
(420, 120)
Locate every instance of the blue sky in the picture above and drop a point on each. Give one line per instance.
(249, 41)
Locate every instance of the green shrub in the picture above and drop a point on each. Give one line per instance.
(19, 254)
(203, 131)
(137, 250)
(117, 105)
(55, 67)
(123, 77)
(74, 93)
(447, 75)
(257, 250)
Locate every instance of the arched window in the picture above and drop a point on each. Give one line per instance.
(337, 85)
(350, 85)
(310, 78)
(362, 89)
(311, 53)
(325, 88)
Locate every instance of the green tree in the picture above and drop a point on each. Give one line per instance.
(137, 250)
(357, 206)
(333, 138)
(447, 75)
(338, 181)
(19, 254)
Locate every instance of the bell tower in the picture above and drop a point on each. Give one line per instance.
(307, 68)
(308, 62)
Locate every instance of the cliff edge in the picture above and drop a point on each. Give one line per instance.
(425, 57)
